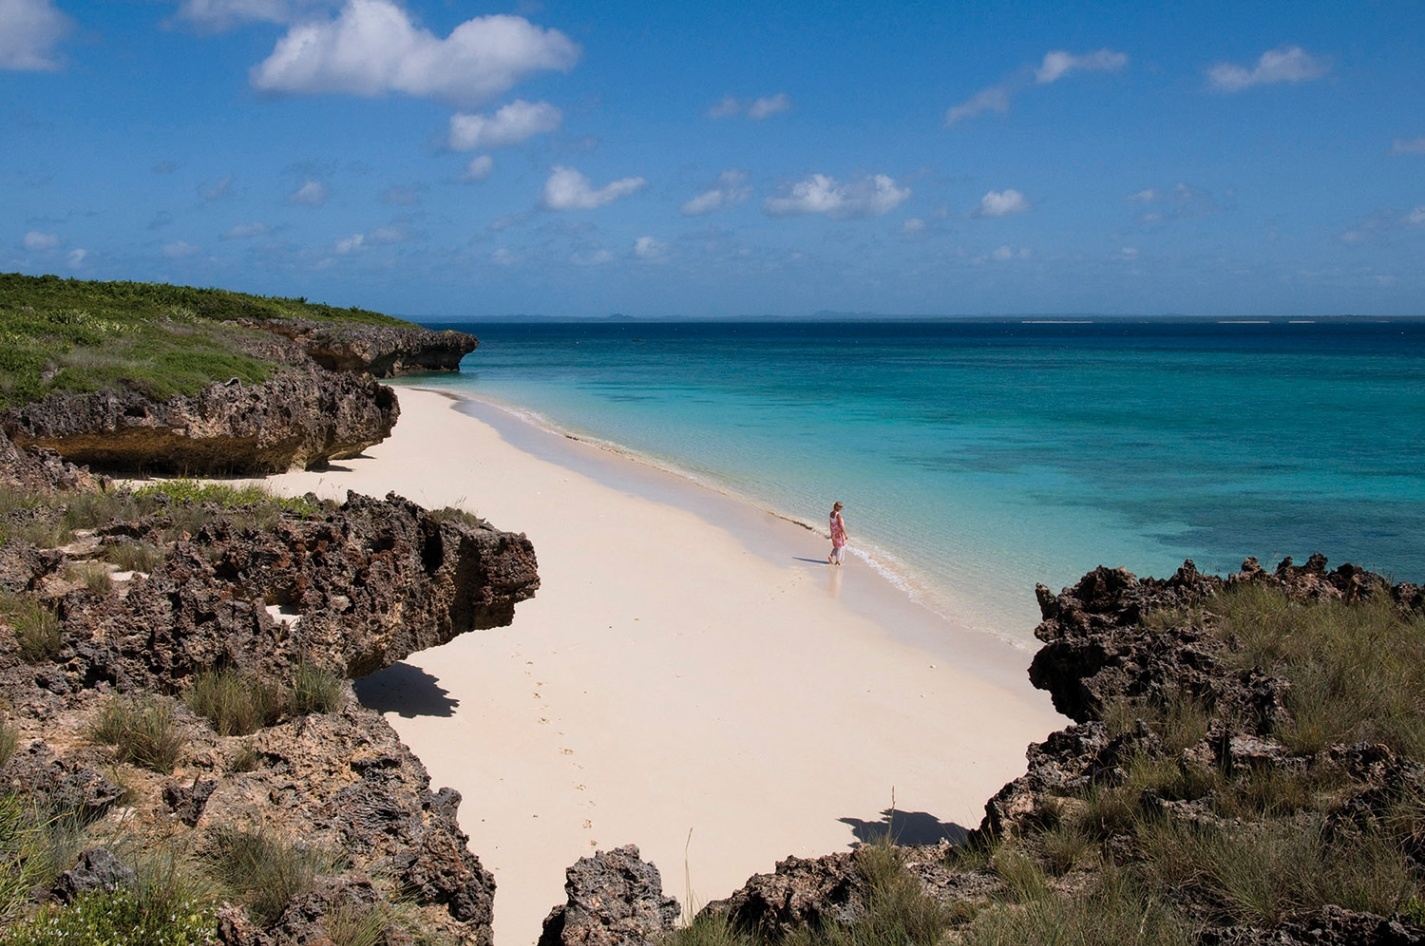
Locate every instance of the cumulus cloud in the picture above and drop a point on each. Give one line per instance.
(755, 109)
(383, 236)
(216, 190)
(180, 249)
(516, 122)
(994, 99)
(650, 250)
(821, 194)
(1002, 204)
(1056, 65)
(373, 47)
(35, 241)
(591, 258)
(1059, 63)
(1412, 146)
(567, 189)
(1283, 64)
(211, 16)
(243, 231)
(478, 169)
(310, 194)
(29, 30)
(731, 188)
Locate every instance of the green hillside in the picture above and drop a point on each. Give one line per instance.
(77, 336)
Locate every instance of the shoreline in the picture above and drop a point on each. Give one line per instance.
(691, 677)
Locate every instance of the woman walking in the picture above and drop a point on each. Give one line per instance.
(838, 535)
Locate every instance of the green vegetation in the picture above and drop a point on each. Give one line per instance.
(34, 848)
(142, 730)
(35, 626)
(239, 703)
(266, 871)
(116, 917)
(75, 336)
(236, 703)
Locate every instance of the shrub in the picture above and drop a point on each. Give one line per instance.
(118, 917)
(359, 925)
(142, 730)
(134, 556)
(1116, 910)
(37, 630)
(93, 575)
(34, 848)
(315, 690)
(896, 910)
(265, 871)
(236, 703)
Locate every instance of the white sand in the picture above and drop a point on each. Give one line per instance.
(690, 664)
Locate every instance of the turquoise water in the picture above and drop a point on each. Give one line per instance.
(978, 458)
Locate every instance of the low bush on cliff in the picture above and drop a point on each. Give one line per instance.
(116, 917)
(266, 871)
(236, 703)
(142, 730)
(1357, 670)
(36, 629)
(75, 336)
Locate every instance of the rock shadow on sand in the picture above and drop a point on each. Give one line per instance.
(912, 828)
(405, 690)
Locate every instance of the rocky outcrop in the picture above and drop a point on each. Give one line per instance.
(263, 590)
(382, 351)
(615, 899)
(296, 419)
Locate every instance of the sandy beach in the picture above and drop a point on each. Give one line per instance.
(691, 677)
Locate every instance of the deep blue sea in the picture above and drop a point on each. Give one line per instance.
(976, 458)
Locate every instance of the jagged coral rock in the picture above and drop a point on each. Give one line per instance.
(380, 350)
(615, 899)
(295, 419)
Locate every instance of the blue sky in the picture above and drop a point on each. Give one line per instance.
(448, 159)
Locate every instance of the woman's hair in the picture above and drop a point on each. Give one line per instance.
(835, 506)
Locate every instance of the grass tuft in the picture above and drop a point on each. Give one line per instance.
(36, 628)
(142, 730)
(265, 871)
(236, 703)
(315, 690)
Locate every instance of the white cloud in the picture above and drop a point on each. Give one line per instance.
(993, 99)
(245, 231)
(478, 169)
(516, 122)
(504, 256)
(211, 16)
(731, 188)
(383, 236)
(76, 257)
(373, 48)
(1145, 196)
(1413, 146)
(913, 227)
(757, 109)
(592, 258)
(1283, 64)
(29, 29)
(650, 250)
(821, 194)
(36, 241)
(1058, 64)
(310, 194)
(1002, 204)
(768, 106)
(180, 249)
(217, 189)
(567, 189)
(1002, 254)
(1416, 217)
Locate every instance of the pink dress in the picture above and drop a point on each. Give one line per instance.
(838, 531)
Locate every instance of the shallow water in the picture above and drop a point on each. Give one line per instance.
(978, 458)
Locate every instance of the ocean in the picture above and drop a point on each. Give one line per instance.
(978, 458)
